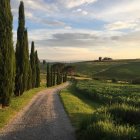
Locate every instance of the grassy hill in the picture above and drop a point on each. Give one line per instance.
(119, 69)
(123, 72)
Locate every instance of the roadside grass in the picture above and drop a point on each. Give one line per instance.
(96, 120)
(43, 78)
(77, 106)
(17, 103)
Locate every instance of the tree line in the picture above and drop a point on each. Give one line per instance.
(57, 73)
(19, 70)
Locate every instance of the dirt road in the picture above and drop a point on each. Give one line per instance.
(43, 118)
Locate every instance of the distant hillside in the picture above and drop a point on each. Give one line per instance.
(123, 72)
(119, 69)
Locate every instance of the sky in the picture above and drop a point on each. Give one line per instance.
(71, 30)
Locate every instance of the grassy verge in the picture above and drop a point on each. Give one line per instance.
(17, 103)
(99, 121)
(77, 106)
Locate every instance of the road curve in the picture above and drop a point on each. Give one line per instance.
(44, 118)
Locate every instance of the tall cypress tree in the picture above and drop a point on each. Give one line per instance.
(30, 78)
(48, 78)
(65, 74)
(59, 69)
(20, 53)
(26, 72)
(54, 76)
(37, 70)
(33, 66)
(7, 66)
(51, 82)
(58, 77)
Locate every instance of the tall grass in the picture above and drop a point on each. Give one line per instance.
(123, 113)
(110, 93)
(119, 119)
(100, 126)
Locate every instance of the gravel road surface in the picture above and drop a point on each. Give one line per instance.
(44, 118)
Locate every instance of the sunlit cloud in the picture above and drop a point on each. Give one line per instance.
(76, 3)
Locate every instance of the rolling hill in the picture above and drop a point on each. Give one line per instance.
(118, 69)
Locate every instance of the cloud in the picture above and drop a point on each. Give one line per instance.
(122, 25)
(119, 10)
(72, 44)
(68, 27)
(37, 11)
(81, 11)
(69, 44)
(38, 5)
(84, 12)
(75, 3)
(70, 53)
(83, 38)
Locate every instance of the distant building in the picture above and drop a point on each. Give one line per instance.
(107, 59)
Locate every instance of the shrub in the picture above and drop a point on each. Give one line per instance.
(114, 80)
(136, 81)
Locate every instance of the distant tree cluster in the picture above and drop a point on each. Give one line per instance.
(18, 71)
(105, 59)
(57, 74)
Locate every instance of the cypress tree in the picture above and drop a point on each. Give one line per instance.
(65, 77)
(26, 72)
(48, 75)
(47, 78)
(37, 70)
(20, 53)
(57, 78)
(30, 78)
(7, 64)
(51, 82)
(54, 76)
(65, 74)
(33, 66)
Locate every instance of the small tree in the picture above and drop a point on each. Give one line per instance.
(44, 62)
(68, 70)
(100, 59)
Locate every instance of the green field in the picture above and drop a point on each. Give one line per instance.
(119, 69)
(110, 92)
(104, 111)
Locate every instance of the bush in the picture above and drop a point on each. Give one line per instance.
(95, 78)
(136, 81)
(114, 80)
